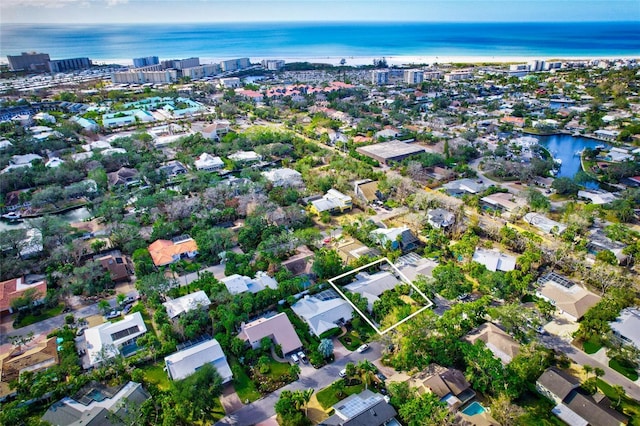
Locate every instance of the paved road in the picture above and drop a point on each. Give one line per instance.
(263, 409)
(48, 325)
(579, 357)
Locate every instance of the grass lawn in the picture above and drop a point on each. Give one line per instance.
(628, 406)
(44, 314)
(629, 373)
(278, 369)
(154, 373)
(351, 340)
(591, 346)
(537, 411)
(245, 388)
(328, 396)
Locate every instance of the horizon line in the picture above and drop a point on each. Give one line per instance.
(328, 22)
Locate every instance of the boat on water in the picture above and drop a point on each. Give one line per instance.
(11, 216)
(558, 161)
(600, 147)
(578, 153)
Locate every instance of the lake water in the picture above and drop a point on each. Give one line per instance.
(75, 215)
(565, 147)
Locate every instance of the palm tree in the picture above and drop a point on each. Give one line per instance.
(619, 392)
(366, 370)
(305, 395)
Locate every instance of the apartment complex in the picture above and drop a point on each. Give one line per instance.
(73, 64)
(380, 77)
(143, 62)
(235, 64)
(413, 76)
(273, 64)
(28, 61)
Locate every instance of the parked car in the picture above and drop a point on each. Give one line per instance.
(343, 372)
(303, 357)
(381, 376)
(362, 348)
(127, 300)
(113, 314)
(294, 357)
(127, 308)
(80, 331)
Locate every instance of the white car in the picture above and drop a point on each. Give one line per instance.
(343, 372)
(362, 348)
(294, 357)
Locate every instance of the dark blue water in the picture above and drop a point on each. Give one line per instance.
(565, 148)
(262, 40)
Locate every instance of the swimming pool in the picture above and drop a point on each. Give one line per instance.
(473, 409)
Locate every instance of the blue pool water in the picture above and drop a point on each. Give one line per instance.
(59, 340)
(473, 409)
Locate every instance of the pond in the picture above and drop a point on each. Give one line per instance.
(75, 215)
(567, 149)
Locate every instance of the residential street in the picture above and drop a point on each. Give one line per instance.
(48, 325)
(579, 357)
(263, 408)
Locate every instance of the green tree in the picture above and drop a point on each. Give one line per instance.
(565, 186)
(327, 264)
(537, 201)
(326, 348)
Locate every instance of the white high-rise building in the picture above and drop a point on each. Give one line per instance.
(380, 77)
(413, 76)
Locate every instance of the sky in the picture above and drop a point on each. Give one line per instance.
(185, 11)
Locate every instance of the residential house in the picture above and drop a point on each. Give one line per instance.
(108, 340)
(187, 361)
(165, 252)
(503, 201)
(598, 241)
(391, 152)
(568, 297)
(412, 266)
(19, 161)
(209, 163)
(463, 186)
(350, 249)
(244, 157)
(96, 404)
(284, 177)
(37, 355)
(440, 218)
(497, 341)
(118, 266)
(448, 384)
(323, 311)
(371, 286)
(362, 409)
(15, 288)
(544, 223)
(237, 284)
(216, 130)
(597, 197)
(494, 260)
(333, 201)
(4, 144)
(180, 305)
(54, 162)
(627, 327)
(123, 176)
(278, 328)
(86, 124)
(574, 406)
(387, 133)
(396, 238)
(173, 169)
(367, 190)
(300, 263)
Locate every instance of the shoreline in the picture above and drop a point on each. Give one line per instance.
(397, 59)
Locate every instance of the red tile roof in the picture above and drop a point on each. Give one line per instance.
(12, 289)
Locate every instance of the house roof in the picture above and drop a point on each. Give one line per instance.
(372, 286)
(116, 265)
(627, 325)
(34, 356)
(440, 380)
(164, 252)
(237, 284)
(89, 411)
(177, 306)
(596, 414)
(505, 200)
(558, 382)
(363, 409)
(111, 335)
(574, 300)
(322, 314)
(122, 176)
(277, 327)
(440, 217)
(494, 260)
(14, 288)
(184, 363)
(497, 341)
(368, 190)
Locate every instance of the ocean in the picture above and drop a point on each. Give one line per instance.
(318, 40)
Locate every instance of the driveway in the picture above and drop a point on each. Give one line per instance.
(263, 408)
